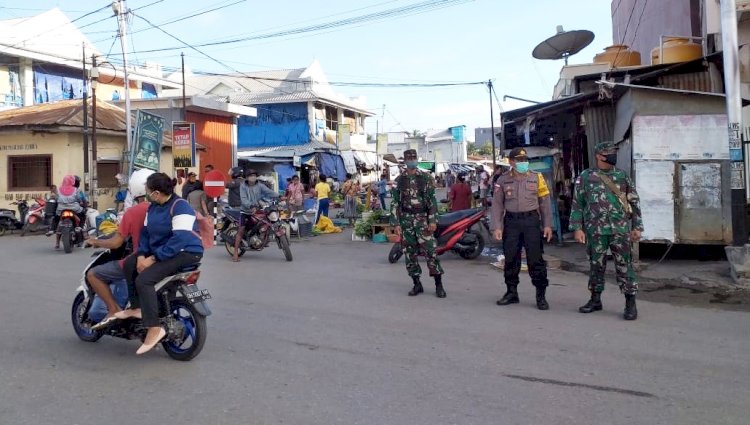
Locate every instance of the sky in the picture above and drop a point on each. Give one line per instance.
(467, 41)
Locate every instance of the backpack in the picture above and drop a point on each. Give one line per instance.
(205, 227)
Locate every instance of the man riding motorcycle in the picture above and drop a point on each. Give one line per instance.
(130, 227)
(251, 193)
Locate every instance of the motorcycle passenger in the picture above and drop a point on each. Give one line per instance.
(234, 198)
(251, 193)
(131, 225)
(67, 199)
(168, 242)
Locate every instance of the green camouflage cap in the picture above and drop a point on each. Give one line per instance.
(605, 147)
(410, 154)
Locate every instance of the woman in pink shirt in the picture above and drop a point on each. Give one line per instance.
(295, 192)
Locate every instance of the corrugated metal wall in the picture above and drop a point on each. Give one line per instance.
(600, 125)
(215, 133)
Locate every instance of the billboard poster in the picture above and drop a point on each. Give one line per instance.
(183, 144)
(343, 138)
(382, 144)
(149, 130)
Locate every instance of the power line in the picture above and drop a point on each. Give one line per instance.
(625, 33)
(420, 7)
(196, 14)
(60, 26)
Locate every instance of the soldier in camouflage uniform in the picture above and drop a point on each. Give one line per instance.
(606, 216)
(414, 215)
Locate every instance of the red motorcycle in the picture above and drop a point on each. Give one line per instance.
(33, 218)
(455, 232)
(267, 226)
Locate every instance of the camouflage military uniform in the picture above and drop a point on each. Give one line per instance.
(414, 207)
(607, 224)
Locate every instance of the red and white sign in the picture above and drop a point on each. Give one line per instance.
(213, 183)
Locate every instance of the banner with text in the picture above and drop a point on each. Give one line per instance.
(149, 131)
(183, 144)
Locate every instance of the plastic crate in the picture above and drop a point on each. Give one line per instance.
(305, 230)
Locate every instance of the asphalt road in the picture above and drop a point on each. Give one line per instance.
(332, 338)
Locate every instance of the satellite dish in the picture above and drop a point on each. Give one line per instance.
(563, 44)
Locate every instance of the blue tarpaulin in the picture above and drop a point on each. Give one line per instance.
(284, 171)
(53, 83)
(332, 165)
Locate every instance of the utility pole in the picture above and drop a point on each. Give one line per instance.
(732, 87)
(118, 6)
(94, 171)
(184, 108)
(492, 128)
(85, 122)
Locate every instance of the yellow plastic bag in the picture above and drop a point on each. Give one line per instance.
(325, 225)
(107, 227)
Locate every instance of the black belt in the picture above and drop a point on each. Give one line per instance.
(524, 214)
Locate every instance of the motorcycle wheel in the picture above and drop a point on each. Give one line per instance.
(24, 229)
(229, 235)
(2, 230)
(395, 254)
(284, 245)
(83, 331)
(195, 332)
(67, 243)
(478, 248)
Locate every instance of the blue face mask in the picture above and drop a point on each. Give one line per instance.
(522, 167)
(411, 164)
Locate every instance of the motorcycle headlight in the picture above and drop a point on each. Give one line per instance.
(273, 216)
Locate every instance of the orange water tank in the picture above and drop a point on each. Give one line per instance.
(676, 49)
(619, 53)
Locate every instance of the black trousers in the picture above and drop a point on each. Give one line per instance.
(141, 285)
(523, 230)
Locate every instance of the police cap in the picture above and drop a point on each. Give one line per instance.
(517, 153)
(605, 147)
(410, 154)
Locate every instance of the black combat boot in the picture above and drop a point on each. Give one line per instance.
(594, 304)
(631, 313)
(417, 289)
(439, 291)
(541, 301)
(510, 297)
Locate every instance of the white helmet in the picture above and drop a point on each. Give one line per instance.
(137, 182)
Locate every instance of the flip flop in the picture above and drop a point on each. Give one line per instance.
(105, 323)
(145, 348)
(128, 314)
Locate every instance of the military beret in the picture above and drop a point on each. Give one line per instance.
(412, 153)
(605, 147)
(518, 153)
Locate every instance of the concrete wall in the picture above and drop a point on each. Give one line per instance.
(663, 17)
(66, 150)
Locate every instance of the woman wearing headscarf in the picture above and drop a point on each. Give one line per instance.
(67, 199)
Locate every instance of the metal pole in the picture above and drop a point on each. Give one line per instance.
(85, 122)
(94, 154)
(739, 175)
(184, 108)
(121, 10)
(492, 129)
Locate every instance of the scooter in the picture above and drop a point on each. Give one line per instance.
(32, 217)
(8, 221)
(182, 311)
(455, 232)
(71, 229)
(268, 225)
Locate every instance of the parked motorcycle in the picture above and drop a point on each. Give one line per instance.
(182, 312)
(268, 225)
(455, 232)
(8, 221)
(71, 229)
(33, 218)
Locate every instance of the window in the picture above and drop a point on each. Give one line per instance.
(106, 172)
(332, 118)
(29, 172)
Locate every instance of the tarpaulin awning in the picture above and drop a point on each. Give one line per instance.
(332, 165)
(284, 171)
(349, 161)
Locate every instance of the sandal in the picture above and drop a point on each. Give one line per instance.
(128, 314)
(145, 348)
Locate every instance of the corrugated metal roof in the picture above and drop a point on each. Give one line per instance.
(286, 151)
(64, 113)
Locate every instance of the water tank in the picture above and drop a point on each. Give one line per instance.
(676, 49)
(619, 53)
